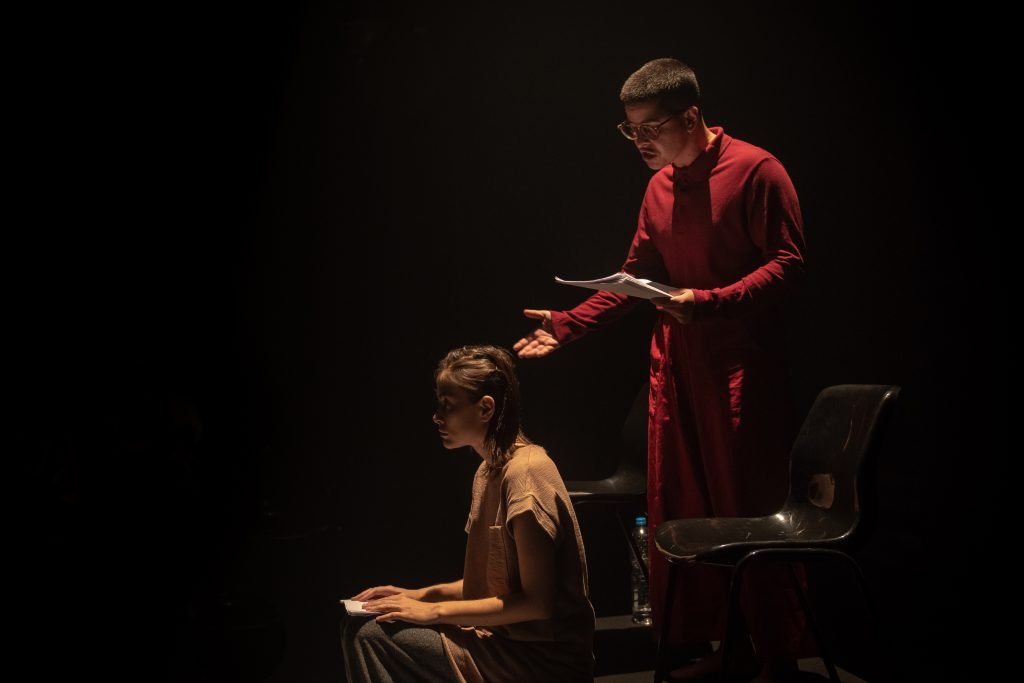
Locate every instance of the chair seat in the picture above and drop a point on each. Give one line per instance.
(618, 487)
(727, 539)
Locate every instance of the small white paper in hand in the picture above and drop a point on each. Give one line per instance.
(355, 608)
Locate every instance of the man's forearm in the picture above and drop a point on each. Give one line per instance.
(593, 313)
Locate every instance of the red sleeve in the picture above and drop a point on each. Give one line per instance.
(776, 228)
(603, 308)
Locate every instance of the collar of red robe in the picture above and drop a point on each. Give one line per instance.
(700, 168)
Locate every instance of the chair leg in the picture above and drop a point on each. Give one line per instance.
(803, 555)
(826, 654)
(868, 607)
(862, 584)
(661, 663)
(734, 626)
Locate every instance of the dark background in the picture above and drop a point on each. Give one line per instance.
(247, 234)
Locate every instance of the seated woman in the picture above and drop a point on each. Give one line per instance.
(521, 611)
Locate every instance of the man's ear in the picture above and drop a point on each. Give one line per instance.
(486, 408)
(691, 117)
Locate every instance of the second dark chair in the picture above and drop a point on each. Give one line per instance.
(626, 489)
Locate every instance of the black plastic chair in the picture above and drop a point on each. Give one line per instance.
(626, 489)
(822, 515)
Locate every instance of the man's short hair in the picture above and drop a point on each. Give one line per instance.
(669, 82)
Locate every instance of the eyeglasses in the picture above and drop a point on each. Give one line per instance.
(648, 130)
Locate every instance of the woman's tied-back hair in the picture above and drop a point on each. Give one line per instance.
(488, 371)
(669, 82)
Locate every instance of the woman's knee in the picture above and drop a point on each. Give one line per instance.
(362, 631)
(415, 639)
(410, 638)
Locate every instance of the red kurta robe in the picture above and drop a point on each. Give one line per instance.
(729, 227)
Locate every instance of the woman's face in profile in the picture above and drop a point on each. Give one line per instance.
(460, 420)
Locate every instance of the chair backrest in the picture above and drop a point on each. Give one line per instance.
(827, 472)
(633, 436)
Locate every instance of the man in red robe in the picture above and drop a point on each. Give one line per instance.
(721, 222)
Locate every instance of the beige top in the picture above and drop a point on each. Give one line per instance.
(556, 649)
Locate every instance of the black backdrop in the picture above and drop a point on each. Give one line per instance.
(251, 233)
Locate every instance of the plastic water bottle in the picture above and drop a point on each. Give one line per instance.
(641, 599)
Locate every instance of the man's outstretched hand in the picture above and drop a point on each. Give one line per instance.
(541, 341)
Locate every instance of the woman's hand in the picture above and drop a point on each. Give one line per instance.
(405, 608)
(384, 591)
(679, 305)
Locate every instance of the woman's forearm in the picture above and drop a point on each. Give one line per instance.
(442, 591)
(507, 609)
